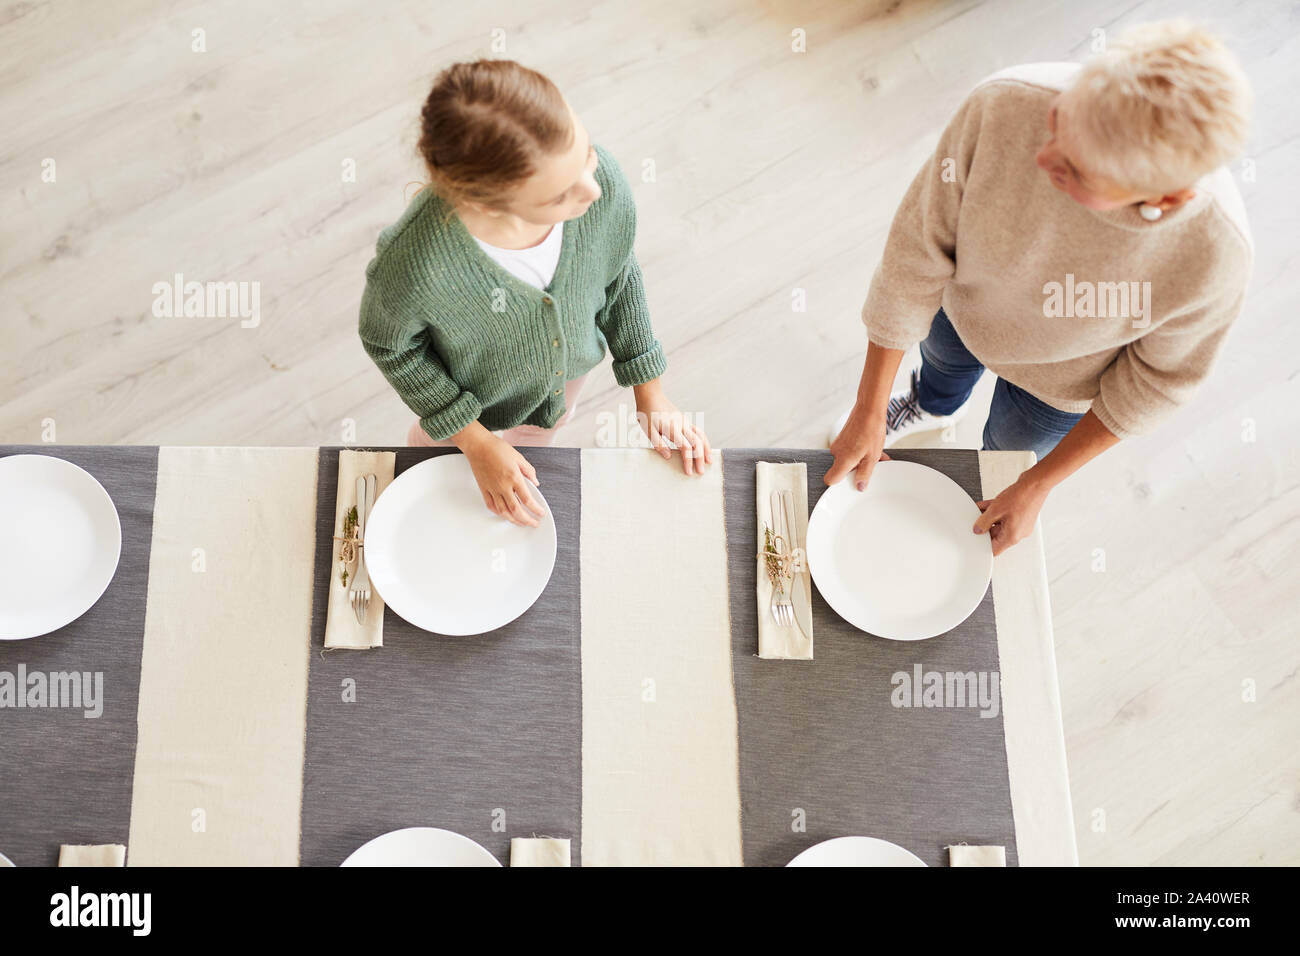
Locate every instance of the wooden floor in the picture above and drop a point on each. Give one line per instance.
(775, 171)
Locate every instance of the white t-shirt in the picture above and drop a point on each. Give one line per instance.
(534, 265)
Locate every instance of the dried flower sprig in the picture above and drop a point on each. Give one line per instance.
(771, 556)
(348, 551)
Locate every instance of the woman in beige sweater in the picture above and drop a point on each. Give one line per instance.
(1077, 234)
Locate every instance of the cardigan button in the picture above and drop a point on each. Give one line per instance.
(548, 300)
(557, 391)
(555, 343)
(558, 372)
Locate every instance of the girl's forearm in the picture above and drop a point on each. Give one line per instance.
(470, 436)
(652, 387)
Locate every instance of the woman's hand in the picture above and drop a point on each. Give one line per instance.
(506, 479)
(663, 423)
(860, 444)
(1010, 517)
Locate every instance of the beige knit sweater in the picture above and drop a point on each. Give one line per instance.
(1082, 309)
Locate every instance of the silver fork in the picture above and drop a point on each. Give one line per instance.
(781, 607)
(359, 593)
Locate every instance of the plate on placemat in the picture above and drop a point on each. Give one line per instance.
(63, 535)
(5, 861)
(421, 846)
(445, 563)
(899, 560)
(856, 851)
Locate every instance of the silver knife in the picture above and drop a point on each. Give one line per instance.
(361, 579)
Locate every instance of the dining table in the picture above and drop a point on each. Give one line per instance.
(627, 710)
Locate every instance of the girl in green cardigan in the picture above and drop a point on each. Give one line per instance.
(500, 287)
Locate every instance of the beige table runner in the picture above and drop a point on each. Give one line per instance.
(1031, 702)
(659, 750)
(223, 682)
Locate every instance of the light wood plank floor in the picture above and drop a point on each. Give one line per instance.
(775, 171)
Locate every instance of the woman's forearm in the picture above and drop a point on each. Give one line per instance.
(877, 381)
(1082, 443)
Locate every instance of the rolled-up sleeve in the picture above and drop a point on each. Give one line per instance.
(406, 357)
(1154, 375)
(625, 323)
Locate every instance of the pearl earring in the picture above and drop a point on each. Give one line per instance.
(1150, 213)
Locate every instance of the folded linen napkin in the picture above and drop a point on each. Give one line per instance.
(104, 854)
(963, 855)
(774, 640)
(538, 851)
(341, 627)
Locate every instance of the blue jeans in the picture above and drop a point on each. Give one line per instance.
(1017, 421)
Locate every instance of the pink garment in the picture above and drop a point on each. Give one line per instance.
(521, 435)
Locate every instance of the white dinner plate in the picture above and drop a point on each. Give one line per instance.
(899, 560)
(445, 563)
(5, 861)
(856, 851)
(62, 542)
(421, 846)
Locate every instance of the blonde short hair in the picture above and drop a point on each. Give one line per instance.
(1164, 105)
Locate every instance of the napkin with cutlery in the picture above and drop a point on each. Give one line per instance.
(103, 854)
(963, 855)
(785, 516)
(538, 851)
(342, 629)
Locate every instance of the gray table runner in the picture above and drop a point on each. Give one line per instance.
(66, 777)
(823, 751)
(480, 735)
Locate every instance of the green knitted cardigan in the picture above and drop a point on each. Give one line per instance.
(461, 339)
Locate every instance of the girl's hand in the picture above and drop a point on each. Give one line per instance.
(1010, 516)
(662, 423)
(506, 479)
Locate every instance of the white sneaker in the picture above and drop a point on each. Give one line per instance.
(904, 416)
